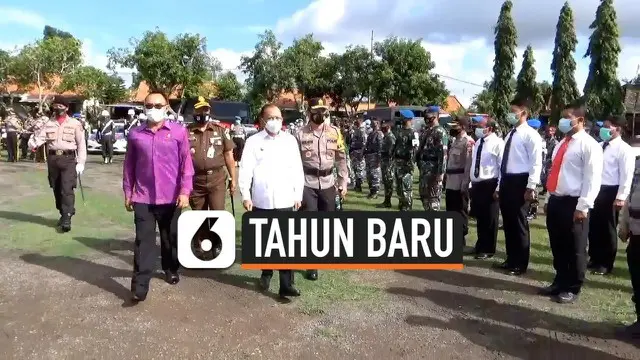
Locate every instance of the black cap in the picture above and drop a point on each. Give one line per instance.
(317, 103)
(60, 100)
(619, 120)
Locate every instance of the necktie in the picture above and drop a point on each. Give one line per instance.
(604, 145)
(505, 156)
(476, 170)
(554, 173)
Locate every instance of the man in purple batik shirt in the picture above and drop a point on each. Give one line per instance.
(157, 181)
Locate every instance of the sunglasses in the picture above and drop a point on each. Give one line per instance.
(154, 106)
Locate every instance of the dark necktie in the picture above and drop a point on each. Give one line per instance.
(476, 170)
(507, 150)
(604, 145)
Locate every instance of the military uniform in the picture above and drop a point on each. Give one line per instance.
(321, 149)
(356, 155)
(12, 127)
(387, 166)
(459, 177)
(432, 159)
(372, 157)
(403, 157)
(64, 138)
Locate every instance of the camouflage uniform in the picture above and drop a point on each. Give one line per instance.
(432, 160)
(372, 155)
(356, 154)
(387, 166)
(403, 161)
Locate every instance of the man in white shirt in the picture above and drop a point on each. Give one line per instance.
(519, 176)
(271, 179)
(617, 174)
(486, 158)
(573, 184)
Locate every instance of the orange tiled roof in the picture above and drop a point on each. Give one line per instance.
(33, 90)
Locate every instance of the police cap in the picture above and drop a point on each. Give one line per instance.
(407, 114)
(534, 123)
(60, 101)
(599, 123)
(432, 110)
(461, 122)
(202, 102)
(317, 103)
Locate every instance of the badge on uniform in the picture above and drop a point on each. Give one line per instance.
(308, 154)
(193, 150)
(215, 133)
(211, 152)
(212, 140)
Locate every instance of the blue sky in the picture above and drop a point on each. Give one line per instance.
(460, 42)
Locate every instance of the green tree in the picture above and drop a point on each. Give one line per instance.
(93, 83)
(228, 87)
(266, 75)
(50, 31)
(178, 65)
(482, 102)
(351, 75)
(303, 64)
(526, 85)
(43, 64)
(563, 66)
(602, 91)
(404, 74)
(6, 60)
(546, 91)
(505, 43)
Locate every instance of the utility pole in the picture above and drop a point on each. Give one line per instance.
(369, 95)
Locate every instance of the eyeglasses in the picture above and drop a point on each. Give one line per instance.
(154, 106)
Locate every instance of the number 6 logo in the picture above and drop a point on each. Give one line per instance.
(203, 234)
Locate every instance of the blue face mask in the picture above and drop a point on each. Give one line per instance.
(564, 125)
(605, 134)
(512, 118)
(479, 133)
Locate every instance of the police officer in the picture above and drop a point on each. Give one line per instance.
(459, 173)
(387, 163)
(356, 153)
(25, 136)
(321, 148)
(239, 136)
(403, 156)
(67, 154)
(107, 137)
(13, 128)
(372, 155)
(211, 151)
(432, 159)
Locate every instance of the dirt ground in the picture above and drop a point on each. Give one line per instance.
(60, 307)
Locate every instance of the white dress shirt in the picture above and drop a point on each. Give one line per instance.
(619, 165)
(271, 174)
(490, 158)
(525, 153)
(581, 170)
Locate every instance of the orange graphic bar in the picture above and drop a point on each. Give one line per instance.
(352, 266)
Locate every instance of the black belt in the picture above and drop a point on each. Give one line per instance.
(317, 172)
(62, 152)
(208, 172)
(455, 171)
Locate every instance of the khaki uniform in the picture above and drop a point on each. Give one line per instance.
(13, 127)
(208, 150)
(458, 178)
(319, 151)
(66, 147)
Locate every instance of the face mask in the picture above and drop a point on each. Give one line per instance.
(273, 126)
(201, 118)
(317, 118)
(479, 133)
(564, 125)
(155, 115)
(605, 134)
(454, 132)
(59, 112)
(512, 118)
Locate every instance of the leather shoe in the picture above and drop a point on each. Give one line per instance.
(516, 271)
(483, 256)
(65, 223)
(566, 298)
(138, 297)
(468, 250)
(551, 290)
(600, 270)
(312, 275)
(288, 292)
(264, 282)
(501, 266)
(171, 277)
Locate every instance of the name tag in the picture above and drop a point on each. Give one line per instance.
(307, 142)
(332, 140)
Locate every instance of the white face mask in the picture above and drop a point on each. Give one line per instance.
(479, 133)
(155, 115)
(273, 126)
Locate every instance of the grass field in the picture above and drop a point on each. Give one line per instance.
(101, 224)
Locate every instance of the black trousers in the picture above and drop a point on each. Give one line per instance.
(486, 209)
(63, 179)
(146, 217)
(318, 199)
(514, 219)
(458, 201)
(286, 276)
(568, 241)
(24, 145)
(107, 147)
(12, 146)
(633, 261)
(603, 221)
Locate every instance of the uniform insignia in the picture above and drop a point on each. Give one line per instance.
(193, 151)
(307, 154)
(219, 143)
(212, 140)
(215, 133)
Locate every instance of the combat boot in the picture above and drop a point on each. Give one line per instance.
(65, 223)
(358, 187)
(386, 203)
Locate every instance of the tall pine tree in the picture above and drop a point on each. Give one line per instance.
(526, 85)
(563, 67)
(505, 43)
(602, 90)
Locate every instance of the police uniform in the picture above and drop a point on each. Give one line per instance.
(372, 156)
(64, 138)
(387, 165)
(321, 148)
(432, 160)
(39, 153)
(12, 127)
(25, 136)
(403, 157)
(459, 172)
(358, 140)
(107, 138)
(239, 136)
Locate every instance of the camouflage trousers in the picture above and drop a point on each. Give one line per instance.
(404, 184)
(374, 174)
(387, 169)
(430, 189)
(358, 166)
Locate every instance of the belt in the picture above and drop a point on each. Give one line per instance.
(208, 172)
(62, 152)
(455, 171)
(317, 172)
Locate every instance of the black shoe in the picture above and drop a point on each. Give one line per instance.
(385, 205)
(59, 221)
(566, 298)
(312, 275)
(501, 266)
(468, 250)
(591, 265)
(632, 331)
(551, 290)
(600, 270)
(138, 297)
(65, 223)
(483, 256)
(264, 282)
(171, 277)
(516, 272)
(288, 292)
(374, 195)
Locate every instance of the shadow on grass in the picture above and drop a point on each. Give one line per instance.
(29, 218)
(518, 344)
(462, 279)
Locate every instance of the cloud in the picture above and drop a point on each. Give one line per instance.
(230, 61)
(12, 16)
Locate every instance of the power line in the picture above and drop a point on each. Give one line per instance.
(462, 81)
